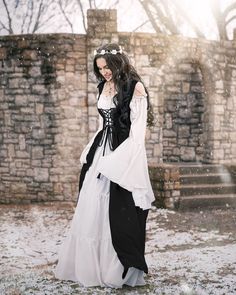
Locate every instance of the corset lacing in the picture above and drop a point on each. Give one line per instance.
(108, 124)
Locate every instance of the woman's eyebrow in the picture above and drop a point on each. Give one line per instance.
(103, 67)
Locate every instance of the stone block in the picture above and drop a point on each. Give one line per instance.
(174, 175)
(176, 151)
(70, 68)
(169, 202)
(219, 84)
(176, 193)
(11, 151)
(38, 134)
(29, 172)
(3, 53)
(185, 87)
(19, 187)
(174, 89)
(41, 174)
(157, 150)
(54, 178)
(233, 73)
(4, 170)
(168, 185)
(35, 71)
(59, 197)
(185, 113)
(183, 131)
(196, 89)
(37, 152)
(168, 121)
(39, 89)
(30, 54)
(36, 163)
(186, 68)
(218, 109)
(176, 186)
(166, 175)
(39, 108)
(219, 154)
(13, 83)
(187, 153)
(22, 154)
(169, 133)
(22, 143)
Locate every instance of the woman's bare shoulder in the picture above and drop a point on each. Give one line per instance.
(139, 89)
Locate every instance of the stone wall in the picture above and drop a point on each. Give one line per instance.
(43, 116)
(192, 85)
(165, 180)
(48, 103)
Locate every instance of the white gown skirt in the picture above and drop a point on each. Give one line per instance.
(87, 255)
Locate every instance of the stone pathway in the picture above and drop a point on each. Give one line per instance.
(190, 253)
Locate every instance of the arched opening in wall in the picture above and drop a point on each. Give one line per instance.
(184, 114)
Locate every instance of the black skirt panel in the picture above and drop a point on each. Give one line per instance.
(128, 227)
(89, 158)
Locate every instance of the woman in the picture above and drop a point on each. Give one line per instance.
(106, 241)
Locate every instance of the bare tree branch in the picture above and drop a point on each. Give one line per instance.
(219, 19)
(230, 20)
(4, 27)
(140, 26)
(150, 16)
(1, 29)
(31, 16)
(17, 3)
(45, 22)
(10, 30)
(185, 16)
(25, 17)
(164, 16)
(35, 28)
(228, 9)
(95, 4)
(83, 15)
(65, 15)
(166, 21)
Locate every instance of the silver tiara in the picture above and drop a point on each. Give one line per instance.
(103, 51)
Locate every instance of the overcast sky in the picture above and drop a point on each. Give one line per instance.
(130, 16)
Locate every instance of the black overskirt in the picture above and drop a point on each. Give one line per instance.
(128, 225)
(127, 221)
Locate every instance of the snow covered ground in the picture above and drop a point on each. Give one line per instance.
(188, 253)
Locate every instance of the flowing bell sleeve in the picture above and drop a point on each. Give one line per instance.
(127, 164)
(88, 146)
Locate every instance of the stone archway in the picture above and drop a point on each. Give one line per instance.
(185, 119)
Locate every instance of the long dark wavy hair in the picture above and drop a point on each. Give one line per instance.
(123, 73)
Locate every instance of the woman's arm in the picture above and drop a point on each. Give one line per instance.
(127, 164)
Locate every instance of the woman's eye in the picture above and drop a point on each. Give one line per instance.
(104, 68)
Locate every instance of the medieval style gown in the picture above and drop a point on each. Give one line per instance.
(95, 245)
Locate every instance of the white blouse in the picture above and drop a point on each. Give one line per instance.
(127, 164)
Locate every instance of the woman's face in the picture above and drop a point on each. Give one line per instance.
(103, 68)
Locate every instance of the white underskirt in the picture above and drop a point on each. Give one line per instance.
(86, 255)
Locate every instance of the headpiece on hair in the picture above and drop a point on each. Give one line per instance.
(103, 51)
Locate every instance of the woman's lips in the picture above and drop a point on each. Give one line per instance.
(108, 77)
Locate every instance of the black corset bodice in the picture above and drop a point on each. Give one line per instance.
(108, 127)
(112, 130)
